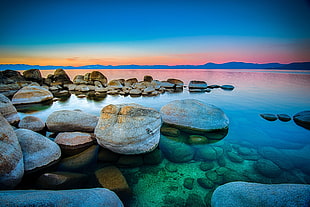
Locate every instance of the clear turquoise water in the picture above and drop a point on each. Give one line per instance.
(256, 92)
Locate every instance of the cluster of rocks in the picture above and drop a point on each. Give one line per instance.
(202, 86)
(302, 118)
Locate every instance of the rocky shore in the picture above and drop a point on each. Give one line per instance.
(73, 150)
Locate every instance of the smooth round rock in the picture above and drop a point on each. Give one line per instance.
(194, 115)
(269, 117)
(8, 110)
(32, 123)
(243, 194)
(31, 94)
(128, 128)
(284, 117)
(11, 162)
(227, 87)
(302, 119)
(99, 197)
(68, 121)
(38, 151)
(267, 168)
(197, 139)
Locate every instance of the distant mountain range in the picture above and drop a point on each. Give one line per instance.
(229, 65)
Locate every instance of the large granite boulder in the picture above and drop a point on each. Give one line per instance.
(243, 194)
(70, 121)
(31, 94)
(74, 142)
(38, 151)
(99, 197)
(194, 115)
(128, 128)
(11, 162)
(8, 110)
(10, 76)
(61, 77)
(302, 119)
(98, 76)
(197, 85)
(32, 123)
(33, 75)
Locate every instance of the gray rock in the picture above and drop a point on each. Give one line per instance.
(100, 197)
(31, 94)
(166, 84)
(135, 92)
(128, 128)
(234, 157)
(206, 153)
(68, 121)
(74, 142)
(79, 79)
(267, 168)
(115, 84)
(32, 123)
(11, 162)
(33, 75)
(38, 151)
(277, 156)
(176, 151)
(302, 119)
(194, 115)
(131, 81)
(177, 82)
(8, 110)
(205, 166)
(197, 85)
(243, 194)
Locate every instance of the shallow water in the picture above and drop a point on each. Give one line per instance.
(250, 137)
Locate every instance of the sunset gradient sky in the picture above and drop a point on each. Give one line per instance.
(147, 32)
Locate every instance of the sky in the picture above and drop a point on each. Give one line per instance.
(150, 32)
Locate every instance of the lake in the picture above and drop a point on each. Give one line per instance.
(245, 153)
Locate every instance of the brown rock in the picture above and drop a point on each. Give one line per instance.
(61, 76)
(148, 78)
(97, 76)
(33, 75)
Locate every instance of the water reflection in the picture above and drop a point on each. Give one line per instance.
(33, 108)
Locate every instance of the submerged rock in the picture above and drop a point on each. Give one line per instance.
(188, 183)
(68, 121)
(31, 94)
(32, 123)
(8, 110)
(11, 162)
(267, 168)
(269, 117)
(302, 119)
(169, 131)
(100, 197)
(243, 194)
(38, 151)
(194, 115)
(128, 128)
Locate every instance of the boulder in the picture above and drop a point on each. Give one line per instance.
(169, 131)
(74, 142)
(284, 117)
(205, 166)
(206, 152)
(174, 151)
(234, 157)
(197, 85)
(79, 79)
(128, 128)
(61, 180)
(205, 183)
(32, 123)
(61, 77)
(188, 183)
(80, 162)
(111, 178)
(8, 110)
(11, 162)
(135, 92)
(278, 157)
(166, 84)
(197, 140)
(70, 121)
(194, 115)
(10, 76)
(33, 75)
(38, 151)
(243, 194)
(99, 197)
(177, 82)
(267, 168)
(98, 76)
(148, 78)
(302, 119)
(31, 94)
(130, 160)
(130, 82)
(115, 84)
(269, 117)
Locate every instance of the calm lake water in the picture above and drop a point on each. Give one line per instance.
(250, 137)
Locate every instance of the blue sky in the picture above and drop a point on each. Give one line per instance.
(154, 32)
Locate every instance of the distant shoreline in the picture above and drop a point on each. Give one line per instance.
(229, 65)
